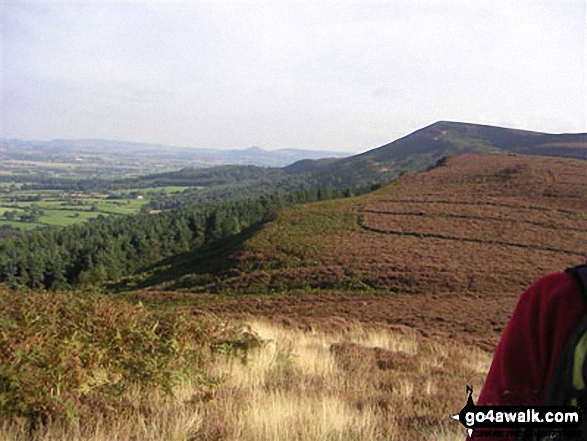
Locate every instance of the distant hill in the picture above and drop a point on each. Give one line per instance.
(101, 151)
(445, 250)
(415, 152)
(424, 147)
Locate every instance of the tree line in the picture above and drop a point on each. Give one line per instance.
(108, 249)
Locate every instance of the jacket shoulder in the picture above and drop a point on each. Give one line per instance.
(555, 286)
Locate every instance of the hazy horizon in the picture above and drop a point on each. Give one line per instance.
(241, 148)
(333, 76)
(122, 141)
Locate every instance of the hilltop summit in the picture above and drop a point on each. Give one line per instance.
(424, 147)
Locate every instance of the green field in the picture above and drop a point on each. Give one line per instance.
(19, 225)
(59, 209)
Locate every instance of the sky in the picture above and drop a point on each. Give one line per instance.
(325, 75)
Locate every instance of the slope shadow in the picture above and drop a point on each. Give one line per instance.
(191, 269)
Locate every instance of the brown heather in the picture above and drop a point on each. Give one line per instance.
(446, 252)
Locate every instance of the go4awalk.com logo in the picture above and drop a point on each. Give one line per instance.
(545, 422)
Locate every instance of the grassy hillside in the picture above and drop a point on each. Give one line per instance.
(387, 306)
(414, 152)
(453, 247)
(422, 148)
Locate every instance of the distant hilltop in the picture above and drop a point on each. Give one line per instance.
(99, 151)
(415, 152)
(423, 148)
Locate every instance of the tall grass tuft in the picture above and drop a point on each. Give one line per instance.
(356, 384)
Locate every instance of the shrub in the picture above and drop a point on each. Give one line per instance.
(68, 356)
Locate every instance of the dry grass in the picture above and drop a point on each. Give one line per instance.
(352, 384)
(355, 384)
(155, 417)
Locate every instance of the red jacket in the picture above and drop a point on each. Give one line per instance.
(533, 341)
